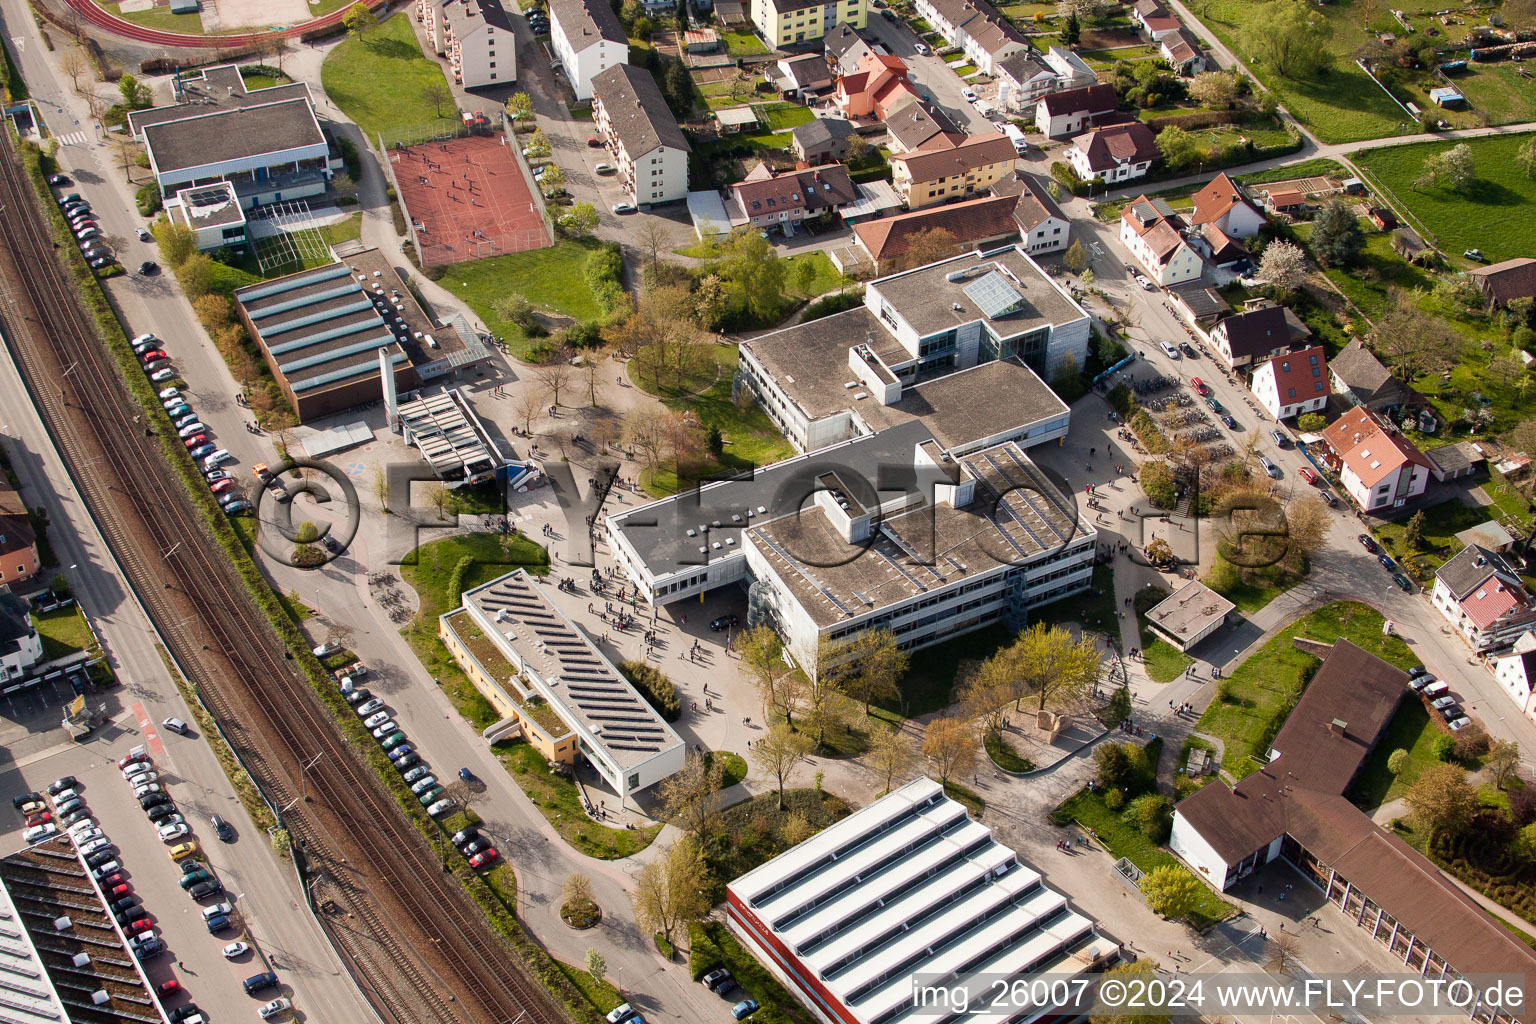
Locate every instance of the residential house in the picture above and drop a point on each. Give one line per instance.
(1363, 380)
(1199, 302)
(1154, 20)
(804, 76)
(1226, 257)
(768, 200)
(877, 90)
(1380, 469)
(1181, 50)
(1121, 152)
(1480, 593)
(642, 134)
(1042, 225)
(915, 125)
(1254, 335)
(1023, 78)
(1071, 111)
(20, 645)
(845, 49)
(1512, 279)
(476, 37)
(1224, 204)
(822, 141)
(786, 22)
(979, 29)
(931, 176)
(1292, 808)
(1383, 218)
(1515, 673)
(1155, 234)
(977, 224)
(587, 40)
(1292, 384)
(1071, 69)
(18, 541)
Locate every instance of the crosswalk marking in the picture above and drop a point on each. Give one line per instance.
(73, 139)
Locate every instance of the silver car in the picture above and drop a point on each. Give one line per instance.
(376, 719)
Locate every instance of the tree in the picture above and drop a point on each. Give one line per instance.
(136, 95)
(1171, 891)
(436, 92)
(671, 890)
(1180, 148)
(553, 376)
(1336, 235)
(805, 276)
(1456, 167)
(519, 106)
(552, 181)
(381, 488)
(866, 668)
(1072, 31)
(1307, 522)
(359, 19)
(304, 551)
(1049, 666)
(1142, 974)
(1397, 761)
(1214, 89)
(1441, 799)
(437, 497)
(780, 753)
(595, 964)
(1153, 815)
(1413, 341)
(1525, 158)
(1283, 954)
(890, 756)
(1292, 37)
(577, 888)
(949, 747)
(195, 274)
(680, 16)
(1312, 422)
(578, 221)
(280, 48)
(687, 798)
(1502, 761)
(1283, 265)
(74, 63)
(1413, 532)
(177, 243)
(529, 404)
(930, 246)
(1075, 258)
(752, 272)
(654, 238)
(762, 657)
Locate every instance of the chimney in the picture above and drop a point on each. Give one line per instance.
(1339, 727)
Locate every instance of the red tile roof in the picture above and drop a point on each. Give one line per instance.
(1511, 279)
(1215, 199)
(1305, 371)
(1368, 448)
(1492, 601)
(972, 221)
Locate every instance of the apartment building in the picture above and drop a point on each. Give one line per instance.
(587, 40)
(476, 37)
(928, 176)
(1292, 384)
(786, 22)
(1156, 236)
(640, 131)
(985, 37)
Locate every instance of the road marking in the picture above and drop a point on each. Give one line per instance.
(20, 41)
(147, 727)
(73, 139)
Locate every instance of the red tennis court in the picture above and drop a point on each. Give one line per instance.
(467, 199)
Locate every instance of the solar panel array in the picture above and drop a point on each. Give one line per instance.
(577, 676)
(1030, 512)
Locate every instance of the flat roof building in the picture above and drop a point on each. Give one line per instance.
(451, 437)
(907, 887)
(1189, 615)
(212, 213)
(320, 332)
(539, 668)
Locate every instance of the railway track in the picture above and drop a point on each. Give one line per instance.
(377, 867)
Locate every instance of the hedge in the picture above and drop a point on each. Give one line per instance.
(655, 687)
(603, 269)
(828, 305)
(1064, 173)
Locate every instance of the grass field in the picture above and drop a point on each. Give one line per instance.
(1494, 213)
(1500, 92)
(159, 18)
(743, 44)
(558, 799)
(63, 632)
(1441, 523)
(551, 279)
(1410, 730)
(781, 117)
(1263, 689)
(378, 80)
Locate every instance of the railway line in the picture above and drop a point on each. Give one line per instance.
(422, 949)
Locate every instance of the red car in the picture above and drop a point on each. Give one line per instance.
(195, 440)
(152, 355)
(117, 892)
(168, 988)
(594, 142)
(38, 818)
(133, 758)
(484, 858)
(1199, 385)
(143, 924)
(219, 486)
(115, 878)
(1308, 475)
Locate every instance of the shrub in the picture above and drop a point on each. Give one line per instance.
(1124, 766)
(1152, 813)
(827, 305)
(1443, 747)
(1471, 744)
(603, 269)
(1064, 173)
(454, 592)
(147, 198)
(1397, 761)
(584, 334)
(1114, 799)
(655, 687)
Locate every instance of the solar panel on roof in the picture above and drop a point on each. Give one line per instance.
(994, 296)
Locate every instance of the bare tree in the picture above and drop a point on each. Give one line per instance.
(437, 497)
(949, 746)
(891, 755)
(591, 369)
(1283, 955)
(687, 798)
(74, 63)
(1413, 341)
(672, 889)
(780, 753)
(436, 92)
(280, 48)
(654, 238)
(646, 429)
(554, 376)
(529, 404)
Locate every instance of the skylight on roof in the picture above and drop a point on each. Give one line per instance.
(994, 296)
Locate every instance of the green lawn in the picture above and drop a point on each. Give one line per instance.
(930, 677)
(1441, 524)
(63, 632)
(1411, 729)
(1164, 662)
(711, 945)
(1004, 756)
(781, 117)
(378, 80)
(1496, 90)
(750, 437)
(743, 44)
(559, 800)
(159, 18)
(1380, 270)
(1124, 840)
(1265, 687)
(343, 230)
(1494, 213)
(600, 994)
(1181, 197)
(826, 278)
(552, 278)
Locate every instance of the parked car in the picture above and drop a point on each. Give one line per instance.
(405, 761)
(1458, 724)
(1168, 350)
(1211, 401)
(1442, 702)
(137, 768)
(604, 168)
(744, 1009)
(484, 859)
(1368, 542)
(275, 1007)
(1309, 475)
(1269, 467)
(623, 208)
(327, 649)
(202, 890)
(183, 851)
(368, 708)
(235, 949)
(149, 267)
(717, 980)
(1403, 582)
(440, 808)
(424, 785)
(39, 832)
(193, 878)
(172, 832)
(594, 142)
(1276, 436)
(1386, 562)
(376, 719)
(1436, 689)
(386, 728)
(1200, 386)
(725, 622)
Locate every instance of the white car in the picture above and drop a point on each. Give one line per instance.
(921, 49)
(326, 649)
(86, 849)
(85, 835)
(1169, 350)
(376, 719)
(215, 475)
(368, 708)
(275, 1007)
(217, 909)
(622, 208)
(1269, 467)
(170, 833)
(169, 393)
(969, 94)
(1146, 285)
(146, 788)
(163, 375)
(137, 768)
(81, 827)
(1458, 724)
(144, 235)
(604, 168)
(144, 339)
(216, 459)
(195, 427)
(37, 832)
(235, 949)
(63, 796)
(141, 780)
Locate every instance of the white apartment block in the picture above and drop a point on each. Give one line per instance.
(640, 131)
(476, 36)
(587, 40)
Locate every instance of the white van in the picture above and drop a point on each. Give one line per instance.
(216, 459)
(1016, 136)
